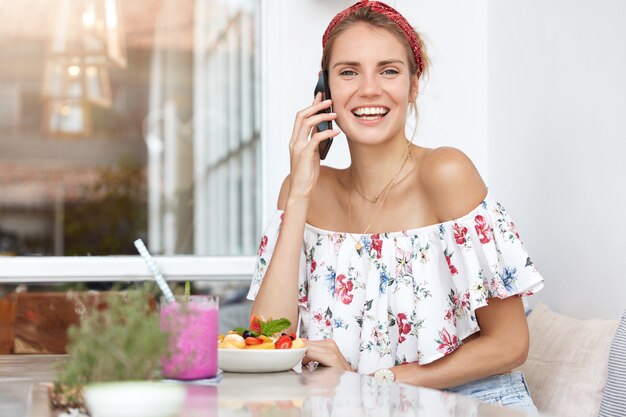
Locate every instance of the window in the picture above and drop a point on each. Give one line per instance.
(129, 119)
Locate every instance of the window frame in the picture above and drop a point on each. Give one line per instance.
(57, 269)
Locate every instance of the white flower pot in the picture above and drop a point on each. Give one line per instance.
(134, 399)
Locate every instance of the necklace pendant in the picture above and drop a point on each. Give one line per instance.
(374, 200)
(358, 246)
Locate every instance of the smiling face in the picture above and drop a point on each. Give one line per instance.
(371, 85)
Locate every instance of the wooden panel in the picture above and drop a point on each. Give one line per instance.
(42, 319)
(7, 314)
(41, 322)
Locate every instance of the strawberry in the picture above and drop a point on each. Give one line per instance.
(253, 341)
(255, 323)
(283, 342)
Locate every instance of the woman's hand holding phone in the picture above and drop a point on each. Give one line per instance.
(303, 147)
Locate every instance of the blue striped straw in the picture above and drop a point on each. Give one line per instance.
(165, 289)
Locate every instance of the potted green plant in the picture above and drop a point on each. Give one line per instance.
(113, 367)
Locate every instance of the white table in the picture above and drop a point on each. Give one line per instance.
(324, 392)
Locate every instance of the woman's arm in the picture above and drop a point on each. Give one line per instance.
(501, 346)
(278, 294)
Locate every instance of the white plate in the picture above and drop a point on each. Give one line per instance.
(259, 360)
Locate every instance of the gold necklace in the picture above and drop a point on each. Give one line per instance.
(359, 245)
(375, 199)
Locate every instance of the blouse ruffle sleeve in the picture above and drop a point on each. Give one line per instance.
(265, 253)
(479, 256)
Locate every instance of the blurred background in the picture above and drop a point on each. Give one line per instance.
(169, 120)
(110, 109)
(121, 120)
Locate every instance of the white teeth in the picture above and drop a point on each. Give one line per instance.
(379, 111)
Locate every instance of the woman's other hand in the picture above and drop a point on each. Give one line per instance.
(326, 353)
(304, 153)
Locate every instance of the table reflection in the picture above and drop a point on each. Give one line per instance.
(331, 392)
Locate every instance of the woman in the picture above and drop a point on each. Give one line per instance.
(409, 269)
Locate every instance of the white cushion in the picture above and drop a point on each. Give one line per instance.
(567, 362)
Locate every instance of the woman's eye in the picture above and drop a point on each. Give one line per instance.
(390, 72)
(347, 73)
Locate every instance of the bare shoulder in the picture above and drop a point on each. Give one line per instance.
(327, 183)
(284, 193)
(451, 182)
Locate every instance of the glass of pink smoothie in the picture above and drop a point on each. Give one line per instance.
(192, 329)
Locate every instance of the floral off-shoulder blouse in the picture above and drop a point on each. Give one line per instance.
(408, 296)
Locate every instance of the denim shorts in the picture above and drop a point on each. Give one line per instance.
(508, 390)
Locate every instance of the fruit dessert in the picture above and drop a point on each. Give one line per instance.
(262, 334)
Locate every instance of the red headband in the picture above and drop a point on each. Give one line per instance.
(387, 11)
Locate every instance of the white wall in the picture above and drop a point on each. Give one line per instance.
(452, 103)
(557, 140)
(531, 90)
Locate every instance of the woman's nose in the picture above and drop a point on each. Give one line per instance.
(369, 86)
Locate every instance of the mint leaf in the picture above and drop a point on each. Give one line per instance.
(271, 327)
(239, 330)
